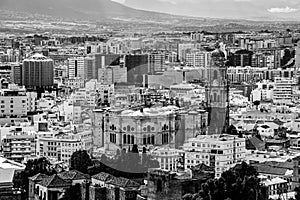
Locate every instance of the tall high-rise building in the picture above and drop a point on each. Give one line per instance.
(37, 72)
(89, 68)
(217, 94)
(283, 91)
(76, 68)
(137, 66)
(197, 59)
(16, 74)
(241, 58)
(103, 60)
(156, 62)
(112, 74)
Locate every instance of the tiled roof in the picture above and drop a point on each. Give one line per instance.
(54, 181)
(284, 165)
(73, 175)
(266, 169)
(103, 176)
(257, 143)
(123, 182)
(38, 177)
(203, 167)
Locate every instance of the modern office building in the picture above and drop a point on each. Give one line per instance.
(76, 67)
(156, 62)
(89, 68)
(283, 91)
(38, 72)
(137, 66)
(241, 58)
(197, 59)
(104, 60)
(112, 74)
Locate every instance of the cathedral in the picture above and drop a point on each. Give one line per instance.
(217, 94)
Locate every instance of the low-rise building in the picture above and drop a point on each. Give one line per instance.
(275, 186)
(165, 185)
(59, 148)
(13, 104)
(218, 151)
(18, 145)
(168, 158)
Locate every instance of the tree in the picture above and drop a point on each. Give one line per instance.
(238, 183)
(33, 167)
(80, 160)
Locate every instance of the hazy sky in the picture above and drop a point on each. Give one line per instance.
(221, 8)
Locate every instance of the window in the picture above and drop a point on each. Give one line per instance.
(132, 139)
(153, 139)
(128, 139)
(215, 75)
(124, 139)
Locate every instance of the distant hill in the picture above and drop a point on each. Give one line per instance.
(77, 9)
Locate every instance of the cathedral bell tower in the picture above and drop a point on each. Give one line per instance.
(217, 94)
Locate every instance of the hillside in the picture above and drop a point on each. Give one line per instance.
(77, 9)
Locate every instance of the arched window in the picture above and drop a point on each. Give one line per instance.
(128, 139)
(148, 139)
(128, 128)
(124, 139)
(132, 139)
(165, 139)
(152, 140)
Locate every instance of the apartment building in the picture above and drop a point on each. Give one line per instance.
(19, 144)
(58, 147)
(283, 91)
(218, 151)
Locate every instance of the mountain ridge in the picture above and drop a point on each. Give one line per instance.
(78, 9)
